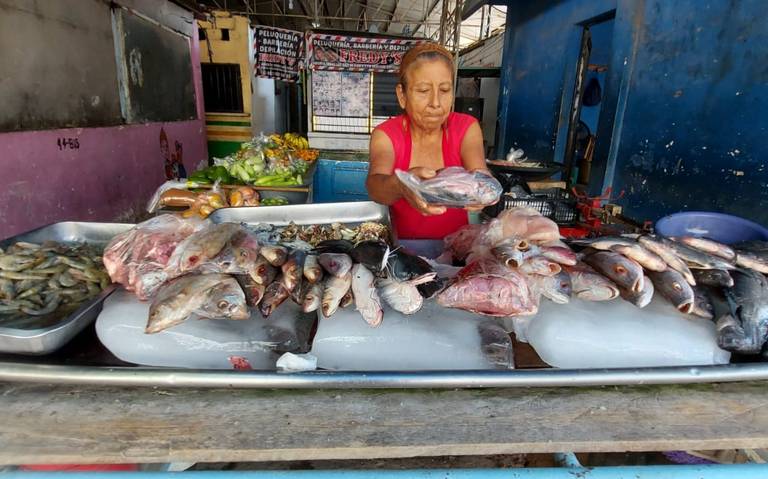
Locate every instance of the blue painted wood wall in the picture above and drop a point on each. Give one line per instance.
(685, 113)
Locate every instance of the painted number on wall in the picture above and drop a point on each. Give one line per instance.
(68, 143)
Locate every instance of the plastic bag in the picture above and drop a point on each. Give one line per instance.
(488, 287)
(137, 258)
(461, 242)
(154, 202)
(454, 187)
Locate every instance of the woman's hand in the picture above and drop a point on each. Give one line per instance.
(415, 200)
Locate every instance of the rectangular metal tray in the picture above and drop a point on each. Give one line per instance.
(38, 340)
(309, 214)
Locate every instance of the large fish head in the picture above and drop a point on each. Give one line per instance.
(562, 285)
(226, 300)
(162, 316)
(673, 286)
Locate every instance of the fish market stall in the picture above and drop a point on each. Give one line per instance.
(276, 283)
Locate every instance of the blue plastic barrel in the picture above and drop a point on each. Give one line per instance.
(720, 227)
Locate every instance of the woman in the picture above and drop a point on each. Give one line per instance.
(427, 138)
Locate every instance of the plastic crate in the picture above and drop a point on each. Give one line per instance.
(555, 203)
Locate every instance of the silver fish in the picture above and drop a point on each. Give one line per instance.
(709, 246)
(604, 243)
(337, 264)
(559, 254)
(293, 270)
(335, 289)
(201, 246)
(697, 259)
(752, 260)
(254, 291)
(264, 273)
(274, 296)
(713, 277)
(618, 268)
(655, 245)
(367, 300)
(674, 288)
(207, 295)
(641, 256)
(540, 265)
(512, 256)
(402, 296)
(348, 299)
(557, 288)
(640, 298)
(312, 270)
(276, 255)
(313, 298)
(589, 285)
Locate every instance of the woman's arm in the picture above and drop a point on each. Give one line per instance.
(383, 186)
(472, 150)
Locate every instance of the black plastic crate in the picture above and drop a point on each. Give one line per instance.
(555, 203)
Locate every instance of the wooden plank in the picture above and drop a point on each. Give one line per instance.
(67, 424)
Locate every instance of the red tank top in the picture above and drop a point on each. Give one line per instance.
(409, 222)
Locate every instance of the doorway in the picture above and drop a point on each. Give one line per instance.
(589, 100)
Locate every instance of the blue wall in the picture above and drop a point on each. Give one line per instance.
(688, 90)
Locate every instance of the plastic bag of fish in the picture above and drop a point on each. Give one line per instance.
(158, 250)
(454, 187)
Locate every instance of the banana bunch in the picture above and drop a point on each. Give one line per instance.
(277, 140)
(295, 142)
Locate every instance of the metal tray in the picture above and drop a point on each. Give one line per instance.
(309, 214)
(40, 339)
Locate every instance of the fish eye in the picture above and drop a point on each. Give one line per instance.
(563, 285)
(677, 287)
(621, 269)
(223, 304)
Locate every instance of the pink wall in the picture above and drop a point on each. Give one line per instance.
(112, 170)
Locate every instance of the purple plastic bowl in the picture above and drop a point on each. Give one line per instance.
(727, 229)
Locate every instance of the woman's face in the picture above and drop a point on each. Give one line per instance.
(427, 96)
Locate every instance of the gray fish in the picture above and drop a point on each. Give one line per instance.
(697, 259)
(367, 300)
(335, 289)
(654, 244)
(313, 299)
(276, 255)
(274, 296)
(640, 298)
(748, 301)
(709, 246)
(588, 285)
(618, 268)
(674, 288)
(208, 295)
(702, 306)
(337, 264)
(312, 270)
(559, 254)
(719, 278)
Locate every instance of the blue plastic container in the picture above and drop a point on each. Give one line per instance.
(720, 227)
